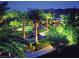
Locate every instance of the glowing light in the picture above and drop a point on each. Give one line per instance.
(27, 28)
(43, 33)
(20, 29)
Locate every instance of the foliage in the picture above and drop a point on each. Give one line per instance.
(34, 14)
(3, 8)
(8, 41)
(11, 42)
(64, 20)
(15, 23)
(47, 15)
(58, 39)
(65, 31)
(74, 22)
(9, 14)
(77, 25)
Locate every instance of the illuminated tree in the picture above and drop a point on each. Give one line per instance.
(73, 21)
(47, 16)
(22, 15)
(67, 29)
(34, 15)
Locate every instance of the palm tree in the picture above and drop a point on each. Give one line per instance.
(23, 15)
(48, 16)
(23, 29)
(7, 43)
(11, 43)
(34, 15)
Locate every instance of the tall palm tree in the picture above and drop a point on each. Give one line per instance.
(47, 16)
(34, 15)
(23, 15)
(23, 28)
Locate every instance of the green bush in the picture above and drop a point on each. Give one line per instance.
(58, 39)
(11, 42)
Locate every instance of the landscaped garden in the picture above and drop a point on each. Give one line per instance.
(25, 33)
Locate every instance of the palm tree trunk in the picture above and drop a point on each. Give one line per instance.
(47, 27)
(23, 29)
(36, 33)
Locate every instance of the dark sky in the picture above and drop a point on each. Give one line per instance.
(23, 5)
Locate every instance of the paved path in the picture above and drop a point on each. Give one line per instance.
(39, 52)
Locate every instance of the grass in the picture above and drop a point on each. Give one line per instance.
(44, 43)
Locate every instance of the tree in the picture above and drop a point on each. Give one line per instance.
(3, 8)
(34, 15)
(12, 43)
(67, 24)
(72, 16)
(77, 27)
(73, 21)
(23, 15)
(47, 16)
(8, 41)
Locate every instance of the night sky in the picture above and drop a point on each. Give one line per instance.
(24, 5)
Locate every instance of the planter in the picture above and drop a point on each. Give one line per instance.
(40, 52)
